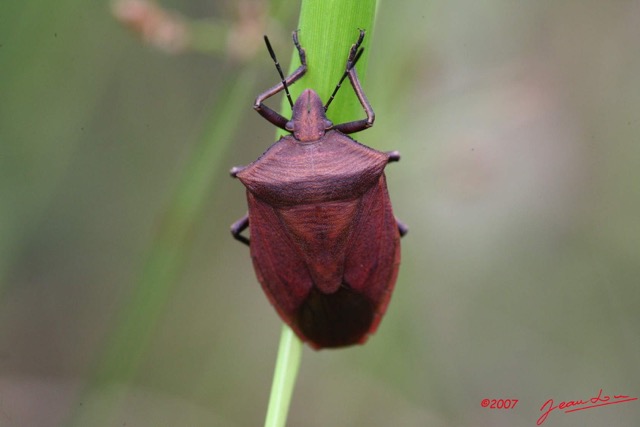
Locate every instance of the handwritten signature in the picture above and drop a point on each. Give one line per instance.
(579, 405)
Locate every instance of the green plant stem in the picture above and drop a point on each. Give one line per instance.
(327, 29)
(284, 378)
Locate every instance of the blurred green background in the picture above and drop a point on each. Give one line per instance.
(519, 125)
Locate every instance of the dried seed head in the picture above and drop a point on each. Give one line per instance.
(157, 26)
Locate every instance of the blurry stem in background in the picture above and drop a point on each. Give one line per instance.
(327, 29)
(136, 322)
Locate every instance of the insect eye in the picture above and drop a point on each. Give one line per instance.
(289, 126)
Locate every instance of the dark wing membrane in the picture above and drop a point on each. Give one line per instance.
(335, 320)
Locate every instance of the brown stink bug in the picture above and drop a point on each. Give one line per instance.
(323, 239)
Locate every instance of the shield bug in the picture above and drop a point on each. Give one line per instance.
(323, 239)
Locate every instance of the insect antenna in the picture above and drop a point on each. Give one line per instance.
(275, 61)
(344, 76)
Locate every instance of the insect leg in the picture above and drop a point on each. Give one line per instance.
(238, 227)
(272, 116)
(358, 125)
